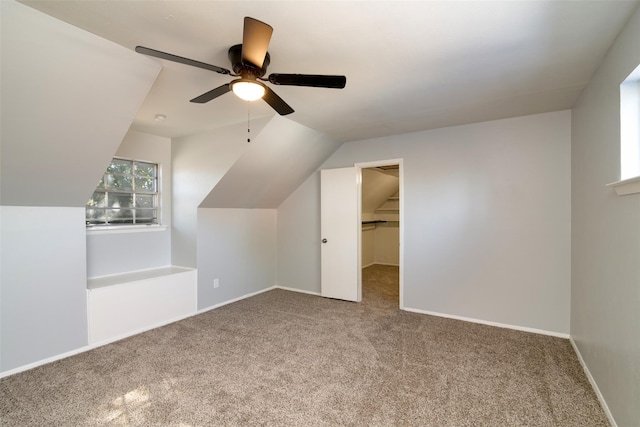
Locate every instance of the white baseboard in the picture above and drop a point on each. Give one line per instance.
(594, 385)
(488, 323)
(112, 340)
(299, 290)
(46, 361)
(213, 307)
(90, 347)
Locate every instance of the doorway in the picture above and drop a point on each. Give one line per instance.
(341, 229)
(381, 233)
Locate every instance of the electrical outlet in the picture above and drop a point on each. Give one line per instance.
(216, 283)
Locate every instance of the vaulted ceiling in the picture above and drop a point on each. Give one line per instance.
(410, 65)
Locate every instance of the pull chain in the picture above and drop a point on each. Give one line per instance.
(248, 122)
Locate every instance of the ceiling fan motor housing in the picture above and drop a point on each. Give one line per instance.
(243, 68)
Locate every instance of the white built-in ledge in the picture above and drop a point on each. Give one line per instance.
(626, 186)
(126, 304)
(135, 276)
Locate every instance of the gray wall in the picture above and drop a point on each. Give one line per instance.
(298, 232)
(61, 125)
(236, 246)
(281, 156)
(43, 310)
(198, 163)
(234, 187)
(605, 288)
(487, 220)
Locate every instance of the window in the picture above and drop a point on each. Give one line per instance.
(127, 194)
(630, 126)
(629, 136)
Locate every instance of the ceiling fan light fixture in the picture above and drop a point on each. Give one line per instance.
(248, 90)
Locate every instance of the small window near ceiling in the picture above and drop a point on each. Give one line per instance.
(127, 194)
(630, 126)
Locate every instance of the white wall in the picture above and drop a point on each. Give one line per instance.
(113, 253)
(387, 244)
(487, 220)
(605, 275)
(368, 246)
(238, 247)
(43, 310)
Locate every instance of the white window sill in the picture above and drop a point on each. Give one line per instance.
(119, 229)
(626, 186)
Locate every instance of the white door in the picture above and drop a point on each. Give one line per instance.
(340, 226)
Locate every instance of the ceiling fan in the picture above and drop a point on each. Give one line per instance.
(249, 62)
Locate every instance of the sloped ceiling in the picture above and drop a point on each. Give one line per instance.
(280, 157)
(377, 187)
(410, 66)
(68, 99)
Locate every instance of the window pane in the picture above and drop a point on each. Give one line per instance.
(119, 182)
(120, 200)
(119, 166)
(145, 184)
(145, 169)
(145, 201)
(146, 216)
(101, 183)
(98, 199)
(95, 216)
(120, 216)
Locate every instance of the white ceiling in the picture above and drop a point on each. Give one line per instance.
(410, 65)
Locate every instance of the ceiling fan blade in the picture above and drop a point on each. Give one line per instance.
(255, 41)
(180, 59)
(212, 94)
(314, 80)
(276, 102)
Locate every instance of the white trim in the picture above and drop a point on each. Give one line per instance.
(368, 265)
(318, 294)
(121, 229)
(594, 385)
(213, 307)
(489, 323)
(626, 186)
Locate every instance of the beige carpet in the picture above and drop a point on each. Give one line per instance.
(289, 359)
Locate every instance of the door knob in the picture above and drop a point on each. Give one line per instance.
(324, 240)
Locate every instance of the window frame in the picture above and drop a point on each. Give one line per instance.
(124, 226)
(629, 182)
